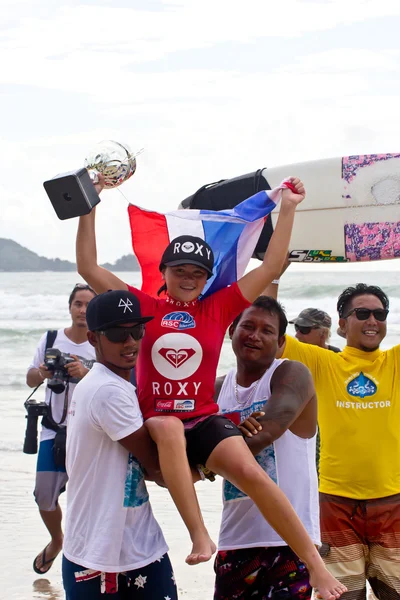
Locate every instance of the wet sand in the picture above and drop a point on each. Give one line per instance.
(23, 536)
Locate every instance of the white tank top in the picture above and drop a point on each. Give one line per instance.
(289, 461)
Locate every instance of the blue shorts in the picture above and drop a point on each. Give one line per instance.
(155, 580)
(50, 480)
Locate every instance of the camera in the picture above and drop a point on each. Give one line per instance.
(56, 361)
(34, 409)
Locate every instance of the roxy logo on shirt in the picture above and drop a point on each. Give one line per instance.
(178, 320)
(176, 356)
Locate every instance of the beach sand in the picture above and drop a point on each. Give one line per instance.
(23, 535)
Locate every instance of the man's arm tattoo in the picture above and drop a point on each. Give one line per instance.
(291, 390)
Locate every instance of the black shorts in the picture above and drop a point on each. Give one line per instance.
(205, 436)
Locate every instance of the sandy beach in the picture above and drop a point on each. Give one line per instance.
(23, 535)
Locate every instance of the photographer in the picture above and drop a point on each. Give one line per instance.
(62, 366)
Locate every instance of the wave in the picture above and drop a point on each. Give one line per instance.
(12, 447)
(332, 291)
(21, 332)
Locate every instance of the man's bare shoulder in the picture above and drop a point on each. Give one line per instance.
(290, 369)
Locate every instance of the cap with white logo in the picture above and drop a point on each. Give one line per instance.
(188, 250)
(115, 307)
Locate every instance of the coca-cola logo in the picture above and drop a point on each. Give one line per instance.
(164, 405)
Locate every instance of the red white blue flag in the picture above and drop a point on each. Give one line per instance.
(232, 234)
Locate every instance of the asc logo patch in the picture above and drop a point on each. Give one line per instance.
(184, 405)
(178, 320)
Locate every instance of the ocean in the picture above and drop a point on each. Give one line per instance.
(31, 303)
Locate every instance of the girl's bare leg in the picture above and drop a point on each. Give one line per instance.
(168, 434)
(233, 460)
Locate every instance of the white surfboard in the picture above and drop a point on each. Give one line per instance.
(351, 211)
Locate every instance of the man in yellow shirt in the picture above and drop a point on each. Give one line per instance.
(358, 393)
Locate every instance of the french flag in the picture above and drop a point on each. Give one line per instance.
(232, 234)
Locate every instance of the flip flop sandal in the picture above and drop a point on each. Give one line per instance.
(44, 563)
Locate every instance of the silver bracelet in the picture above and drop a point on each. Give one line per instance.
(202, 476)
(275, 281)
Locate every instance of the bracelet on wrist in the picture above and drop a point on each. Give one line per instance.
(275, 281)
(205, 473)
(202, 476)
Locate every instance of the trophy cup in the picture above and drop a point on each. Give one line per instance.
(73, 194)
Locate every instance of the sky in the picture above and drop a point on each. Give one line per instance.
(209, 89)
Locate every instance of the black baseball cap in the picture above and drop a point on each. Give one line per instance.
(114, 307)
(188, 250)
(313, 317)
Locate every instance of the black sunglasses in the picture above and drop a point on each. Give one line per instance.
(362, 314)
(304, 330)
(118, 335)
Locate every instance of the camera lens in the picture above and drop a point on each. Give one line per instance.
(57, 382)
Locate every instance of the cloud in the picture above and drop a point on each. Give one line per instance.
(85, 48)
(79, 73)
(347, 60)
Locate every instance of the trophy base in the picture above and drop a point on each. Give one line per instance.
(72, 194)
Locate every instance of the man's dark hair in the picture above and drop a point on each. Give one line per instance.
(361, 289)
(79, 287)
(271, 306)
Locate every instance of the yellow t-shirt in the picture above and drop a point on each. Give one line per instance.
(358, 416)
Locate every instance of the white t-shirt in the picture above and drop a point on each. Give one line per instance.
(84, 351)
(110, 526)
(289, 461)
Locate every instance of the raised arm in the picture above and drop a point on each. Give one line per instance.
(254, 283)
(273, 288)
(292, 405)
(98, 278)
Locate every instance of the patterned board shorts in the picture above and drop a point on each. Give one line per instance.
(262, 573)
(361, 542)
(155, 581)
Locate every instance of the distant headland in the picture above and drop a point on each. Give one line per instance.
(16, 258)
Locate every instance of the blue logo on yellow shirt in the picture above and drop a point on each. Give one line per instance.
(362, 386)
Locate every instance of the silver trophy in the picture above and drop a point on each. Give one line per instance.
(73, 194)
(113, 160)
